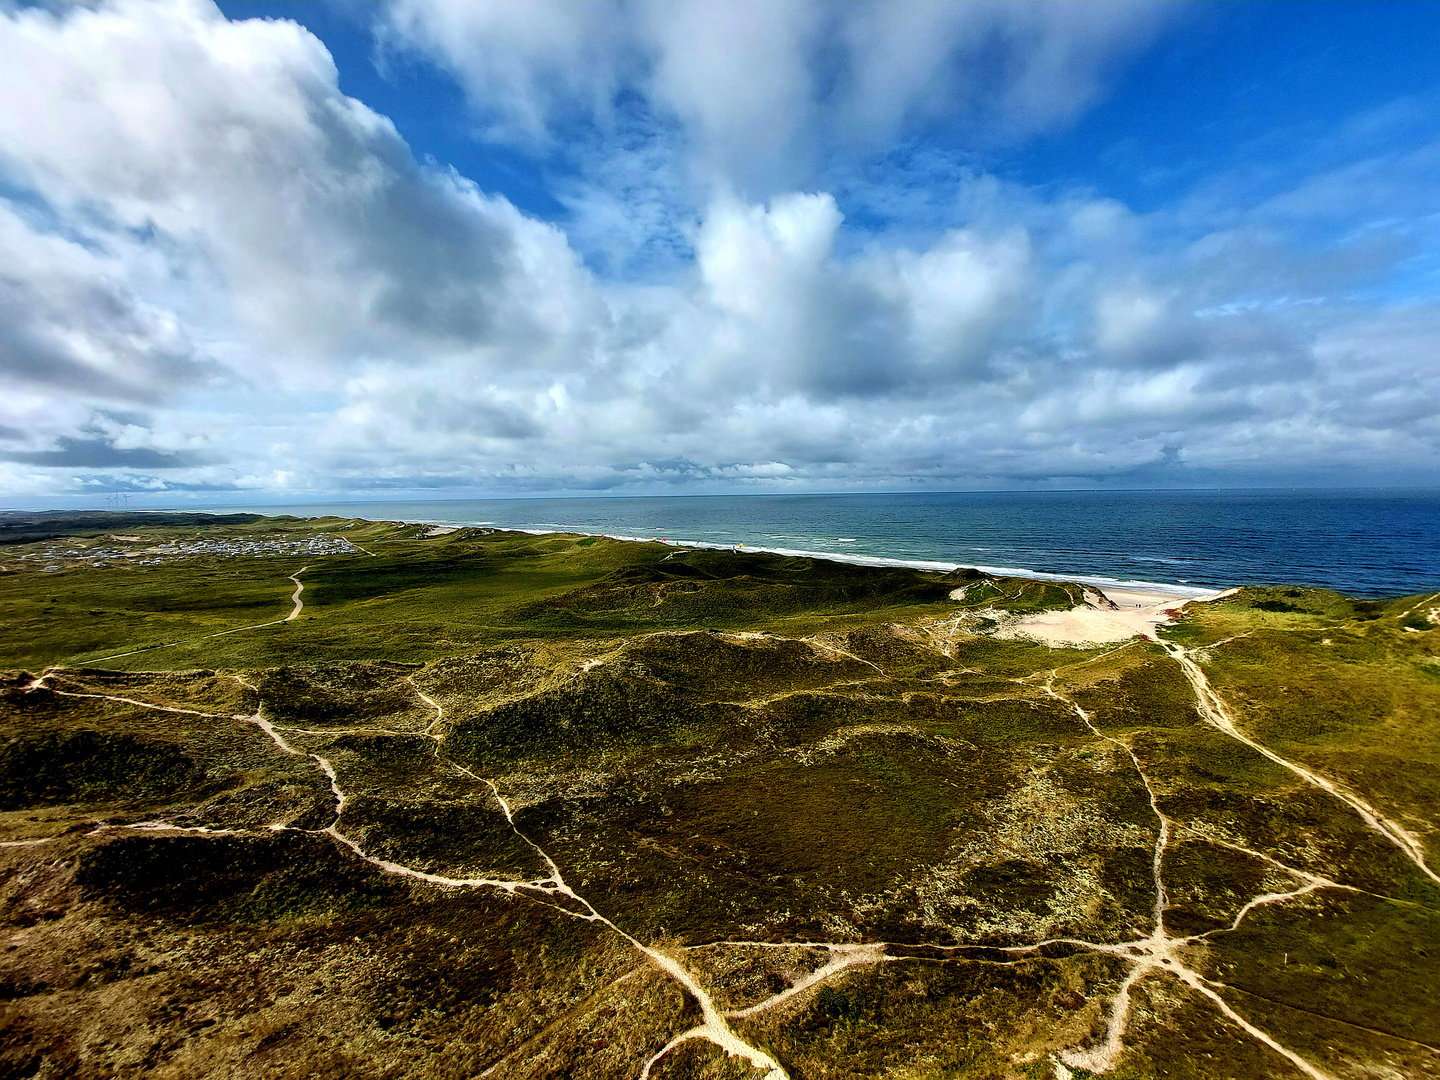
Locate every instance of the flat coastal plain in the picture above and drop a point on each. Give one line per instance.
(290, 797)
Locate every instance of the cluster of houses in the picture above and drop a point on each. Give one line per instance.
(230, 547)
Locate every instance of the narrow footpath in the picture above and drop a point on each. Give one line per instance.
(1157, 954)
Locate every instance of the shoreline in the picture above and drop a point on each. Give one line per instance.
(1152, 590)
(1147, 591)
(1157, 590)
(1364, 544)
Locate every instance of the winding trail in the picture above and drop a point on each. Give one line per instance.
(38, 685)
(295, 597)
(1156, 954)
(825, 646)
(841, 957)
(297, 606)
(1162, 839)
(713, 1028)
(1213, 710)
(1422, 600)
(1159, 952)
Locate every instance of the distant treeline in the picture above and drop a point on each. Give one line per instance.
(23, 527)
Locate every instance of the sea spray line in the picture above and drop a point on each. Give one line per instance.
(1354, 542)
(939, 566)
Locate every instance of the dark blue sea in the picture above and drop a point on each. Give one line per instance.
(1370, 543)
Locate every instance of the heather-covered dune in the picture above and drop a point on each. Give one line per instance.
(520, 806)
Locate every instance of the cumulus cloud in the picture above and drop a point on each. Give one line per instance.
(793, 316)
(221, 273)
(761, 90)
(72, 321)
(231, 145)
(527, 67)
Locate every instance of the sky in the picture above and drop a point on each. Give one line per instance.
(269, 251)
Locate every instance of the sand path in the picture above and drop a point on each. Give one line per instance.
(713, 1027)
(296, 608)
(1156, 954)
(1213, 710)
(841, 957)
(1160, 952)
(295, 597)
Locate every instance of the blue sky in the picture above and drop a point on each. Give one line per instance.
(272, 250)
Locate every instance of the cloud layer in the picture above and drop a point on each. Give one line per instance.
(222, 274)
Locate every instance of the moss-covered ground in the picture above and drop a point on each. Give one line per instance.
(541, 806)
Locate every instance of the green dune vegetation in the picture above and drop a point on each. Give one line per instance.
(333, 798)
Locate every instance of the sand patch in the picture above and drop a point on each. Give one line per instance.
(1116, 615)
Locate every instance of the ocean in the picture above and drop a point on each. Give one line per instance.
(1368, 543)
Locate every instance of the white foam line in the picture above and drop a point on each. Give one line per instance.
(938, 565)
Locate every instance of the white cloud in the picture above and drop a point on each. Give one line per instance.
(762, 90)
(755, 259)
(737, 76)
(955, 295)
(525, 66)
(1020, 66)
(304, 208)
(1128, 320)
(219, 271)
(71, 319)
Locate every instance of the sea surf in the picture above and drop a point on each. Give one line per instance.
(1369, 543)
